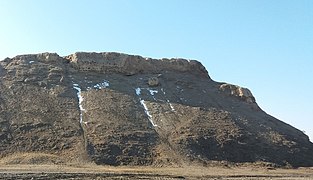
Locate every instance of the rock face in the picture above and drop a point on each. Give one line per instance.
(153, 81)
(129, 64)
(243, 93)
(119, 109)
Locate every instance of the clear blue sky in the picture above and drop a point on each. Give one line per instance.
(264, 45)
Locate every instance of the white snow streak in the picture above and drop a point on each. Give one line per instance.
(168, 101)
(142, 102)
(163, 91)
(80, 100)
(172, 107)
(31, 62)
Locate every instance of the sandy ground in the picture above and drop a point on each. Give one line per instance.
(109, 172)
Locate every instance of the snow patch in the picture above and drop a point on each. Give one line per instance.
(101, 85)
(104, 84)
(142, 102)
(138, 91)
(152, 92)
(30, 62)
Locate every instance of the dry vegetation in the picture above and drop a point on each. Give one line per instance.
(108, 172)
(43, 166)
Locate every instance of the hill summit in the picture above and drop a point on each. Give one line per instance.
(118, 109)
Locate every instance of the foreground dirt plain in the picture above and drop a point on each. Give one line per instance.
(109, 172)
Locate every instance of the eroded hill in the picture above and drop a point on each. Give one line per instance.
(119, 109)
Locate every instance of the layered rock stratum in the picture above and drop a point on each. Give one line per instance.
(118, 109)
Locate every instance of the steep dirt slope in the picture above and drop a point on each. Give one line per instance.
(118, 109)
(38, 109)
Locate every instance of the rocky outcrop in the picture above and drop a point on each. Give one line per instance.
(153, 81)
(131, 64)
(43, 57)
(237, 91)
(118, 109)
